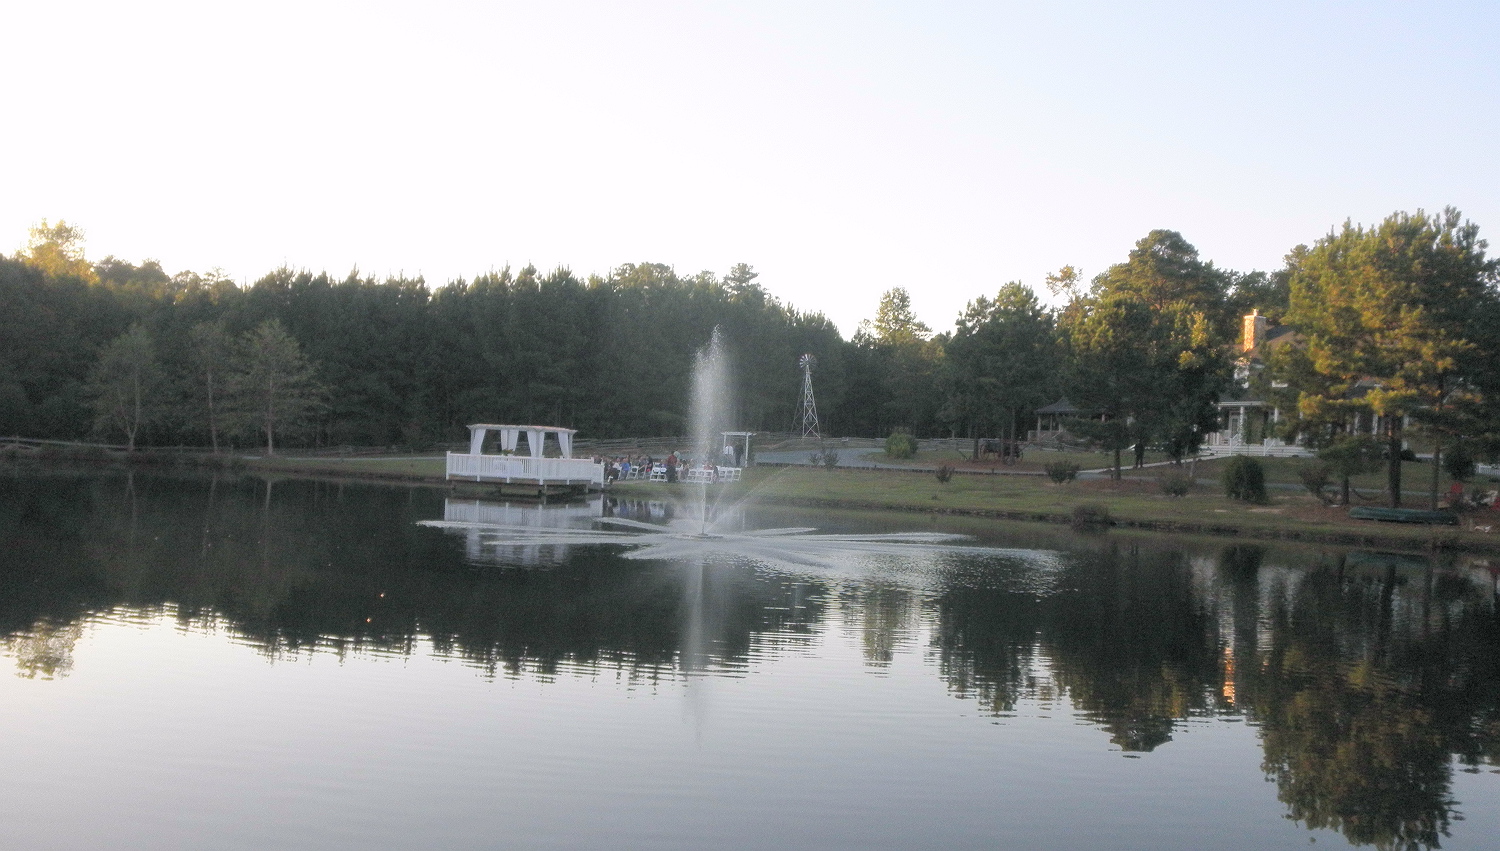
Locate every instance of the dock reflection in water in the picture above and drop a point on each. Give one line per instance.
(477, 518)
(957, 695)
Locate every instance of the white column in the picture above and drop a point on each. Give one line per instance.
(508, 439)
(535, 435)
(565, 443)
(476, 440)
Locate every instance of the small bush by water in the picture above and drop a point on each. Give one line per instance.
(1091, 516)
(1062, 472)
(1245, 479)
(1175, 482)
(1316, 476)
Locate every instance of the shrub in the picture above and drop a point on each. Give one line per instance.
(944, 473)
(1245, 479)
(1316, 476)
(1458, 463)
(1091, 516)
(1175, 483)
(1062, 472)
(827, 458)
(900, 445)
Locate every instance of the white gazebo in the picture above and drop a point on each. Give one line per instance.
(531, 469)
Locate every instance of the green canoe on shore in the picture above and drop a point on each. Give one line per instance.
(1404, 515)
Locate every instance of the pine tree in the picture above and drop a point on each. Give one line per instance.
(1393, 308)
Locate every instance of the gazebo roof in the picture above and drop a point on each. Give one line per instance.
(1061, 406)
(510, 436)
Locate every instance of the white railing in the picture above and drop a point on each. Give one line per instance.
(525, 468)
(1262, 450)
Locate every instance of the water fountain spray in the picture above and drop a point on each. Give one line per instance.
(709, 411)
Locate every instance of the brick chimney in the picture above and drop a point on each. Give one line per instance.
(1253, 331)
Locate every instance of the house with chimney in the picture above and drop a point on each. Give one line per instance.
(1247, 419)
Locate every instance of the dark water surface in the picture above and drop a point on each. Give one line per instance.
(228, 664)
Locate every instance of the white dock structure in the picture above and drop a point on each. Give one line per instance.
(532, 469)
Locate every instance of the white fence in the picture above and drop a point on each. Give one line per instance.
(507, 468)
(1259, 450)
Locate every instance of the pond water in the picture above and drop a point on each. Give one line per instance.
(229, 663)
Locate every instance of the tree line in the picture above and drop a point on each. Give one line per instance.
(1397, 328)
(124, 351)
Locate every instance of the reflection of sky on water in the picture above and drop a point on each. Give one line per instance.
(372, 751)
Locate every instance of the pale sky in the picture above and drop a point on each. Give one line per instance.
(839, 148)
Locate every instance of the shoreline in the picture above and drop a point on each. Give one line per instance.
(1418, 541)
(1104, 510)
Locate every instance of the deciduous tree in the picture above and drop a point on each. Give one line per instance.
(126, 385)
(210, 384)
(1147, 347)
(57, 250)
(279, 385)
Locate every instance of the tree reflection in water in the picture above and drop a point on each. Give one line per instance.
(1124, 637)
(1377, 673)
(1367, 676)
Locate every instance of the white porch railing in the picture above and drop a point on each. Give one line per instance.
(505, 468)
(1262, 450)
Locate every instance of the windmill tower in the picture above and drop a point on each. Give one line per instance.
(809, 407)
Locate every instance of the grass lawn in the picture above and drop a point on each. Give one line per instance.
(1035, 461)
(406, 465)
(1135, 500)
(1415, 475)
